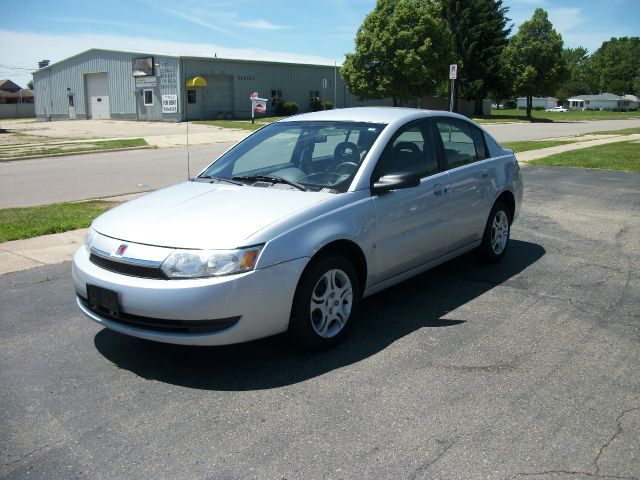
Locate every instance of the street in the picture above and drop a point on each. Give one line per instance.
(524, 369)
(58, 179)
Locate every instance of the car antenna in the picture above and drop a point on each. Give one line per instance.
(188, 159)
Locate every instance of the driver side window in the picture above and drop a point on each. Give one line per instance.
(412, 149)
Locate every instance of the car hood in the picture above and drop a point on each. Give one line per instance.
(202, 215)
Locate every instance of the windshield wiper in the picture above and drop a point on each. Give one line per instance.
(220, 179)
(272, 179)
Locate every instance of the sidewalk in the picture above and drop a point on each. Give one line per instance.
(545, 152)
(20, 255)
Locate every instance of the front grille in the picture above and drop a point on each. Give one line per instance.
(170, 326)
(127, 269)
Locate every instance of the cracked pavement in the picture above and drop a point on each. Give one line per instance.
(526, 369)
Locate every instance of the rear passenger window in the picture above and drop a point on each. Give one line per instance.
(411, 150)
(463, 143)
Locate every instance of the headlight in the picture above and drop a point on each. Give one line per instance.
(88, 239)
(210, 263)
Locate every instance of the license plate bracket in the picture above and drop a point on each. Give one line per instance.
(103, 300)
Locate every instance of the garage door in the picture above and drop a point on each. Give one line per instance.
(217, 96)
(97, 95)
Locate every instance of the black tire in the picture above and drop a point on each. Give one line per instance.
(497, 231)
(322, 314)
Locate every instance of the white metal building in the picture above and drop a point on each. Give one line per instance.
(102, 84)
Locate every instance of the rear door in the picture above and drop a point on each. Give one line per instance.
(472, 179)
(411, 223)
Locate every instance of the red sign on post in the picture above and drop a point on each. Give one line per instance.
(260, 105)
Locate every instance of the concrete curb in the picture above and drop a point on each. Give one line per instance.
(69, 154)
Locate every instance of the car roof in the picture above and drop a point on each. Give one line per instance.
(370, 114)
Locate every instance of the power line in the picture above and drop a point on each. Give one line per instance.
(9, 67)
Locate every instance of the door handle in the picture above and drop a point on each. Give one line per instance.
(439, 189)
(485, 172)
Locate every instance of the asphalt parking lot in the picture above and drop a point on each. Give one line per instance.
(526, 369)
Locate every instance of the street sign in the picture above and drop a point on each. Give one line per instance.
(453, 71)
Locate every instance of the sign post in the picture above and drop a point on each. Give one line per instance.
(257, 105)
(453, 74)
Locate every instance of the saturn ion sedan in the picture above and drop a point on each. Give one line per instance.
(289, 229)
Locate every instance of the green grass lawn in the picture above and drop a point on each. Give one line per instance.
(239, 124)
(535, 145)
(19, 223)
(613, 156)
(102, 145)
(542, 116)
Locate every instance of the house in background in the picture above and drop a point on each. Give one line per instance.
(544, 102)
(15, 102)
(602, 101)
(9, 86)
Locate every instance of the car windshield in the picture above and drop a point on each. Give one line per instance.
(309, 155)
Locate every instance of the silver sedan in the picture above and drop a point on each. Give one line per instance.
(290, 228)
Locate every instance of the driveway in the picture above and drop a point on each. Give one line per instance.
(526, 369)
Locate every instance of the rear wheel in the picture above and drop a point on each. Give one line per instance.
(496, 234)
(325, 303)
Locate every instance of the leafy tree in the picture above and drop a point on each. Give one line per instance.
(534, 58)
(619, 87)
(576, 60)
(30, 85)
(403, 50)
(480, 34)
(617, 60)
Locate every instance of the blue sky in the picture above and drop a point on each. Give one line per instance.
(287, 30)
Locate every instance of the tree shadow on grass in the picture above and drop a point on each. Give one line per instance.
(420, 302)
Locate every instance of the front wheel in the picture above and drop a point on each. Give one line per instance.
(496, 234)
(325, 303)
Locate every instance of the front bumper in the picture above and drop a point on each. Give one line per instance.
(259, 302)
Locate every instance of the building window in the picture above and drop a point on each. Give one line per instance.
(148, 98)
(276, 96)
(314, 93)
(191, 96)
(247, 77)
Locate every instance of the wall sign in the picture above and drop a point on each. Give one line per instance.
(169, 103)
(146, 82)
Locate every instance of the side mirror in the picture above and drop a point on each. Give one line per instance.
(395, 181)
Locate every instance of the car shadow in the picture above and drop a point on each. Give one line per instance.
(420, 302)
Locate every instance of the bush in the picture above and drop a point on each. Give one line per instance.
(327, 105)
(287, 108)
(538, 108)
(315, 104)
